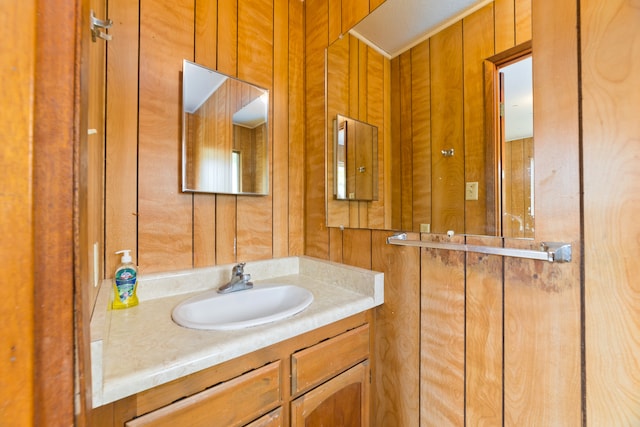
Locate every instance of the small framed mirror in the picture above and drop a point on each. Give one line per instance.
(355, 163)
(224, 133)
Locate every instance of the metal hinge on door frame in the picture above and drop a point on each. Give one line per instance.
(96, 24)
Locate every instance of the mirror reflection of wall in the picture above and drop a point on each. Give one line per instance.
(517, 149)
(225, 133)
(355, 148)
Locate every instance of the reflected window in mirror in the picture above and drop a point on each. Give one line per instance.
(225, 133)
(355, 159)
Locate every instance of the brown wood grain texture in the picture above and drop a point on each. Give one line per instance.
(522, 13)
(352, 12)
(204, 205)
(280, 125)
(356, 248)
(421, 135)
(397, 337)
(504, 15)
(335, 20)
(164, 214)
(16, 200)
(121, 177)
(483, 358)
(478, 45)
(363, 101)
(338, 100)
(610, 64)
(442, 335)
(316, 40)
(405, 141)
(227, 62)
(335, 244)
(255, 228)
(447, 130)
(296, 128)
(395, 147)
(272, 419)
(354, 112)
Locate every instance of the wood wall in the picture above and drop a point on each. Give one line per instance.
(258, 41)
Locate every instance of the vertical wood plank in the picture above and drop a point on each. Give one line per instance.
(227, 62)
(442, 336)
(335, 20)
(17, 77)
(316, 26)
(405, 141)
(421, 135)
(121, 169)
(395, 146)
(296, 128)
(522, 21)
(504, 16)
(352, 12)
(255, 64)
(478, 45)
(204, 205)
(484, 298)
(280, 123)
(447, 130)
(611, 88)
(356, 248)
(335, 244)
(165, 214)
(397, 334)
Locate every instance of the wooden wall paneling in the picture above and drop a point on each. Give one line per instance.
(255, 228)
(397, 334)
(478, 45)
(363, 101)
(522, 20)
(16, 203)
(406, 143)
(164, 214)
(335, 244)
(356, 248)
(611, 88)
(121, 169)
(387, 149)
(227, 62)
(542, 361)
(338, 96)
(354, 112)
(335, 20)
(280, 124)
(316, 39)
(421, 135)
(376, 100)
(447, 130)
(442, 335)
(296, 127)
(352, 12)
(395, 146)
(483, 337)
(373, 4)
(204, 205)
(504, 15)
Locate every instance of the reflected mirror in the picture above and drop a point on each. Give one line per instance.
(224, 133)
(355, 148)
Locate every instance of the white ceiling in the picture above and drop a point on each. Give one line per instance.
(398, 25)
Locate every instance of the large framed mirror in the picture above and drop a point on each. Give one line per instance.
(224, 133)
(452, 161)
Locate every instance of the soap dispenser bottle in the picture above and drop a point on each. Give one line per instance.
(125, 282)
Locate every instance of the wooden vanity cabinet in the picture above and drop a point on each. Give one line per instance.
(319, 378)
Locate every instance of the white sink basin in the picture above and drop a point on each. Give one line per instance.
(242, 309)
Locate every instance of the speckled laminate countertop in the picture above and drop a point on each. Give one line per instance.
(141, 347)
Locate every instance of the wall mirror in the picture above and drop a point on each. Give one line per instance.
(454, 161)
(355, 146)
(224, 133)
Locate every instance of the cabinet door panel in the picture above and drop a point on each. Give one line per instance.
(341, 401)
(232, 403)
(272, 419)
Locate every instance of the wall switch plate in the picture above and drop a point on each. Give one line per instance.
(471, 191)
(425, 228)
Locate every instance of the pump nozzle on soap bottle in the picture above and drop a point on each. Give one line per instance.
(125, 282)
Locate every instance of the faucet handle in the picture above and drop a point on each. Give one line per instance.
(238, 269)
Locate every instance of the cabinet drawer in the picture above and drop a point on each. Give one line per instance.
(232, 403)
(322, 361)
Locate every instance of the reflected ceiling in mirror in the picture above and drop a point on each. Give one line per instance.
(224, 133)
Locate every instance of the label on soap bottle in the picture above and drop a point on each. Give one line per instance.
(126, 283)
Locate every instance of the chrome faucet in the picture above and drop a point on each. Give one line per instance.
(239, 280)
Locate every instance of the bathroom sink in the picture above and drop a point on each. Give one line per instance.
(242, 309)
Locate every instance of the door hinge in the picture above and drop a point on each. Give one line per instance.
(502, 109)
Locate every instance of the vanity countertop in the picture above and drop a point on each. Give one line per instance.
(139, 348)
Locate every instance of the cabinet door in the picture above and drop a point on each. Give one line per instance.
(272, 419)
(342, 401)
